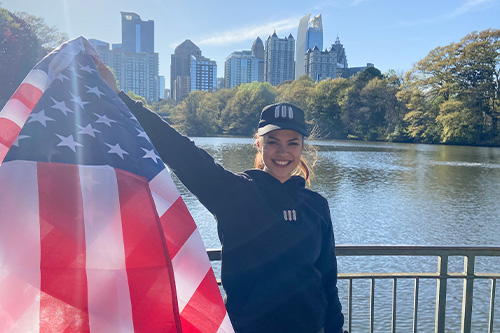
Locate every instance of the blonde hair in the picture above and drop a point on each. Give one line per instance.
(305, 167)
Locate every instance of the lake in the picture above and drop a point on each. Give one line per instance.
(400, 194)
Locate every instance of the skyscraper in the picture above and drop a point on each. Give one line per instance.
(258, 52)
(279, 64)
(203, 74)
(134, 61)
(137, 35)
(309, 35)
(180, 65)
(241, 67)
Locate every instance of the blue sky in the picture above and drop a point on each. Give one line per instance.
(391, 34)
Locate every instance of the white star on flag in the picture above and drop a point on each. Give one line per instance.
(116, 149)
(89, 130)
(40, 117)
(78, 100)
(142, 134)
(87, 69)
(94, 90)
(19, 137)
(68, 141)
(61, 77)
(104, 120)
(151, 154)
(61, 106)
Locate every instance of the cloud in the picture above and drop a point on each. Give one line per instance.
(466, 7)
(282, 27)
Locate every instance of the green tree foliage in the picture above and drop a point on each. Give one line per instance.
(464, 76)
(242, 112)
(20, 50)
(48, 37)
(296, 92)
(325, 107)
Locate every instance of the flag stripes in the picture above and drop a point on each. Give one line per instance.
(16, 111)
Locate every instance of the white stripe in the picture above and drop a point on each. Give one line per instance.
(226, 326)
(19, 247)
(37, 78)
(164, 191)
(109, 302)
(15, 111)
(3, 152)
(190, 267)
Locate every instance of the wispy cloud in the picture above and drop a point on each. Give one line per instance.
(251, 32)
(470, 5)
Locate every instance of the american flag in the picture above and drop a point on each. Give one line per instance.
(94, 235)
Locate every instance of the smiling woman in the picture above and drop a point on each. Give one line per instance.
(279, 269)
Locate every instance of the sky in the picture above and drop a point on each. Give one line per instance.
(391, 34)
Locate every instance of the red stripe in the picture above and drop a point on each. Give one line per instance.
(63, 291)
(178, 226)
(149, 269)
(9, 132)
(28, 94)
(205, 310)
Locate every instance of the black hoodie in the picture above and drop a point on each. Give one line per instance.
(279, 268)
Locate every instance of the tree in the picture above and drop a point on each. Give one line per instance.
(296, 92)
(48, 37)
(242, 112)
(325, 107)
(466, 72)
(20, 50)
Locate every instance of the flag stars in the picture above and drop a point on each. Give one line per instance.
(40, 117)
(94, 90)
(151, 154)
(87, 69)
(116, 149)
(19, 138)
(61, 106)
(104, 120)
(68, 142)
(78, 100)
(88, 130)
(142, 134)
(61, 77)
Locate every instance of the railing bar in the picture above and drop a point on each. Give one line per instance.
(415, 306)
(394, 297)
(492, 305)
(349, 305)
(372, 304)
(441, 294)
(468, 293)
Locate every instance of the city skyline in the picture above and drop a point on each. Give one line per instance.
(389, 34)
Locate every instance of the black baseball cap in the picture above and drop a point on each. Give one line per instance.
(282, 116)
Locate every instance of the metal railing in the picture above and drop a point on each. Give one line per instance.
(442, 275)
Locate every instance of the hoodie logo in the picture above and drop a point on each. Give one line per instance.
(290, 215)
(283, 111)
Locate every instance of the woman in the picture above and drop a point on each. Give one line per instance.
(279, 268)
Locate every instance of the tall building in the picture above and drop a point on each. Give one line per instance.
(341, 56)
(279, 64)
(137, 35)
(309, 35)
(134, 61)
(330, 63)
(180, 64)
(258, 52)
(203, 74)
(241, 67)
(321, 64)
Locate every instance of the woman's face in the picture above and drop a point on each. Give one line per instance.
(281, 151)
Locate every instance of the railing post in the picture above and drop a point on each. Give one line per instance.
(415, 306)
(492, 305)
(349, 305)
(372, 304)
(469, 262)
(442, 282)
(394, 298)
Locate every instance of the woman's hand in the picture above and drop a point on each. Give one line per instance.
(106, 74)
